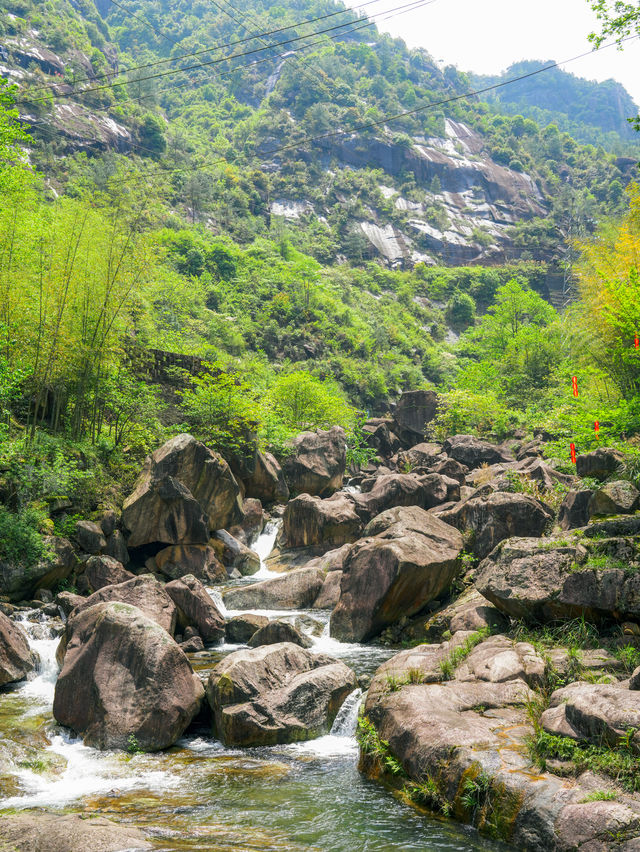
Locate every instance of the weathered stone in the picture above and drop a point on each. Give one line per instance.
(90, 537)
(200, 560)
(164, 510)
(196, 608)
(108, 523)
(600, 463)
(16, 658)
(574, 509)
(124, 680)
(546, 580)
(192, 645)
(317, 462)
(252, 524)
(103, 571)
(468, 612)
(495, 517)
(235, 555)
(415, 409)
(296, 589)
(37, 831)
(379, 436)
(184, 490)
(278, 631)
(330, 592)
(473, 452)
(117, 548)
(452, 469)
(267, 482)
(499, 659)
(402, 489)
(614, 498)
(407, 559)
(634, 680)
(240, 628)
(420, 456)
(143, 592)
(68, 601)
(276, 694)
(454, 733)
(19, 582)
(597, 712)
(313, 521)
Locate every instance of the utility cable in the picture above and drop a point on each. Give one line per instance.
(389, 118)
(220, 46)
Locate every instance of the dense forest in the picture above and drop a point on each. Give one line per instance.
(226, 231)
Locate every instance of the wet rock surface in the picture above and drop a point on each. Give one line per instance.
(124, 680)
(43, 832)
(16, 657)
(276, 694)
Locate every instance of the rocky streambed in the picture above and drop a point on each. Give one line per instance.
(447, 645)
(199, 794)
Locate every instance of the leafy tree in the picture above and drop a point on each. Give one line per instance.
(303, 402)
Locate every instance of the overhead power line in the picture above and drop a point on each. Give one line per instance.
(201, 52)
(383, 121)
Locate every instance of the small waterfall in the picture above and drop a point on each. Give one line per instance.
(346, 721)
(216, 597)
(264, 545)
(44, 643)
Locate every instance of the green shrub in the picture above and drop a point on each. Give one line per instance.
(20, 539)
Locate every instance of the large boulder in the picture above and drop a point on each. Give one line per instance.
(421, 456)
(600, 463)
(16, 658)
(196, 608)
(463, 746)
(470, 611)
(184, 491)
(279, 631)
(90, 537)
(296, 589)
(543, 580)
(267, 482)
(124, 680)
(317, 462)
(240, 628)
(412, 413)
(473, 452)
(406, 489)
(200, 560)
(19, 582)
(574, 509)
(379, 435)
(276, 694)
(312, 521)
(103, 571)
(494, 517)
(614, 498)
(38, 831)
(406, 560)
(143, 592)
(600, 713)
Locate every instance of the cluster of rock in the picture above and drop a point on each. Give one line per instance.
(383, 556)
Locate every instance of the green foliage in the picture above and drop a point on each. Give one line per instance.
(620, 763)
(302, 402)
(371, 744)
(459, 654)
(600, 796)
(20, 540)
(133, 746)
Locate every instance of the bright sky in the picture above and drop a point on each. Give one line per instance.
(486, 37)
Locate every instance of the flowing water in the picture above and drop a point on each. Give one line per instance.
(200, 795)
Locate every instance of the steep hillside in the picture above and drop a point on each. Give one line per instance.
(292, 137)
(593, 113)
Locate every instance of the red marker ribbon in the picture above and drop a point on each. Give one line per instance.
(636, 342)
(573, 453)
(574, 385)
(596, 428)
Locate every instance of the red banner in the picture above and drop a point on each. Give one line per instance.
(574, 385)
(596, 428)
(573, 453)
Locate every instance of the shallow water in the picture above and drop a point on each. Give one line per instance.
(200, 795)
